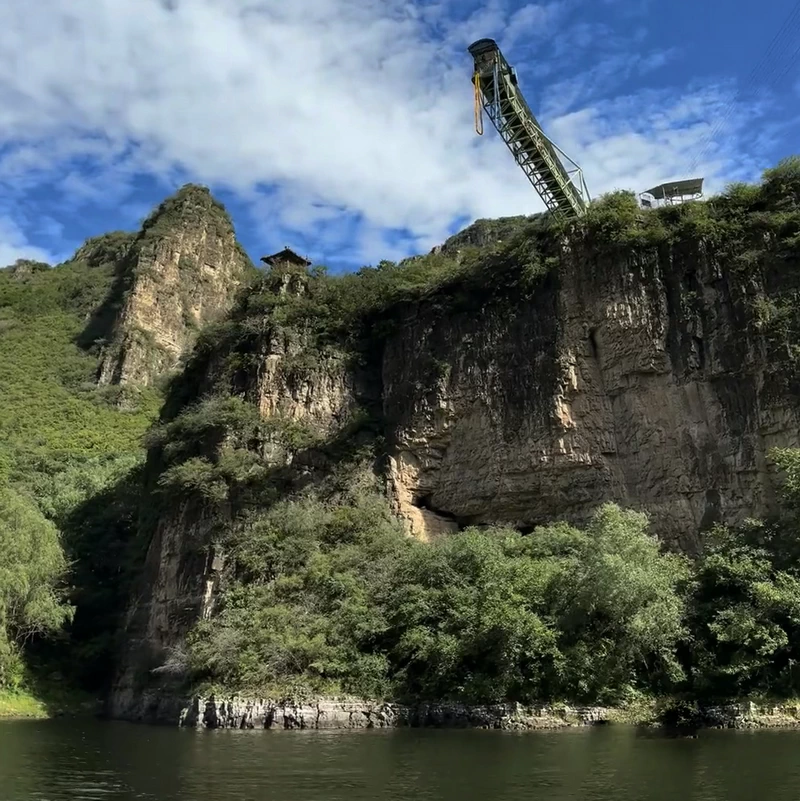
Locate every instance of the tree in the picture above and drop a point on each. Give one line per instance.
(31, 569)
(745, 601)
(617, 603)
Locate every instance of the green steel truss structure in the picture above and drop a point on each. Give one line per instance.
(563, 191)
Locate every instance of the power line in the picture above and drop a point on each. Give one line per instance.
(792, 61)
(783, 32)
(771, 57)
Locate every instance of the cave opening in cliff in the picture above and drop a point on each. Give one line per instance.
(424, 502)
(593, 343)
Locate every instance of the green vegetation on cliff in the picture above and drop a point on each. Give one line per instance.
(321, 590)
(335, 598)
(745, 603)
(62, 439)
(322, 597)
(49, 404)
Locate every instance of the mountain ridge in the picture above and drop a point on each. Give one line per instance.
(522, 386)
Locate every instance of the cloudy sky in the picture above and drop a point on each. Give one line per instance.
(344, 127)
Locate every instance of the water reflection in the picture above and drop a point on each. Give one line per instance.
(61, 760)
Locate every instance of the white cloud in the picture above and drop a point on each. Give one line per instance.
(14, 245)
(350, 107)
(531, 23)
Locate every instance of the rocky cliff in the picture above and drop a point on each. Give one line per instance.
(646, 378)
(181, 271)
(656, 376)
(644, 358)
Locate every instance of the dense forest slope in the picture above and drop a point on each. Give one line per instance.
(72, 419)
(521, 374)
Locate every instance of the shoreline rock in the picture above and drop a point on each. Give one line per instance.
(328, 713)
(234, 712)
(748, 715)
(348, 713)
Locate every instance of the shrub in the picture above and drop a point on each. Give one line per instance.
(336, 598)
(31, 572)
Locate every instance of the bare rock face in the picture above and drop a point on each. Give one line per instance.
(182, 271)
(176, 592)
(646, 381)
(648, 376)
(321, 396)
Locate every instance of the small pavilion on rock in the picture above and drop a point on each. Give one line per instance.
(286, 257)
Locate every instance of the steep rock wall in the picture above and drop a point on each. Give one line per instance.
(174, 592)
(651, 376)
(181, 272)
(643, 380)
(306, 402)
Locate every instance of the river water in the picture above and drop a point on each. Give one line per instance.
(55, 760)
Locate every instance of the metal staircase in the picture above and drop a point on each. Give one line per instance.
(563, 190)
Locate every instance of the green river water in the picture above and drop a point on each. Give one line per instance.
(68, 759)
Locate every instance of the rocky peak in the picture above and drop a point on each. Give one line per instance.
(482, 234)
(180, 272)
(23, 268)
(105, 249)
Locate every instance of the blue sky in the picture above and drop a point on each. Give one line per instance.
(344, 127)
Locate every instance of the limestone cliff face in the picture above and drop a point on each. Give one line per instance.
(285, 384)
(656, 376)
(645, 381)
(647, 377)
(181, 271)
(172, 596)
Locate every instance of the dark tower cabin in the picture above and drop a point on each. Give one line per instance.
(292, 268)
(285, 258)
